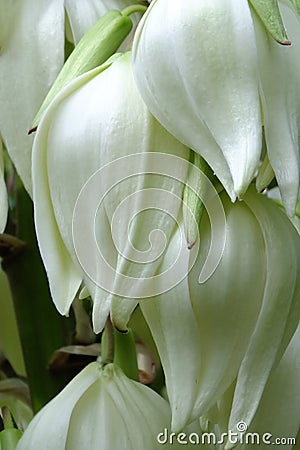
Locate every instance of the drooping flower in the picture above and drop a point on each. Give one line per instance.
(32, 53)
(99, 408)
(32, 46)
(99, 122)
(235, 325)
(206, 69)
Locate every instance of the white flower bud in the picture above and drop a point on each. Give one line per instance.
(99, 408)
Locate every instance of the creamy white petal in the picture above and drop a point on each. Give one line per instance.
(32, 53)
(196, 67)
(280, 95)
(280, 311)
(93, 131)
(99, 408)
(226, 306)
(173, 325)
(55, 416)
(279, 409)
(64, 276)
(126, 415)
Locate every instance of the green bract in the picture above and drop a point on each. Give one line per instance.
(99, 409)
(83, 15)
(206, 69)
(238, 323)
(96, 120)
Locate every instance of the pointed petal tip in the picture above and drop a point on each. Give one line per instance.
(190, 244)
(119, 325)
(285, 43)
(32, 130)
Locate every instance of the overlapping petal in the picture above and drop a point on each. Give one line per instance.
(227, 305)
(32, 53)
(280, 310)
(175, 330)
(196, 67)
(280, 94)
(237, 324)
(99, 118)
(100, 408)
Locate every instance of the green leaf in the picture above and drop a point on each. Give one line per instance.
(269, 13)
(9, 439)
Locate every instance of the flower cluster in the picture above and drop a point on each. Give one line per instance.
(142, 172)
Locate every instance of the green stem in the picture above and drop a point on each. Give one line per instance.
(41, 328)
(125, 353)
(134, 9)
(7, 419)
(9, 439)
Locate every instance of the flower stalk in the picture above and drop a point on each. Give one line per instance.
(32, 302)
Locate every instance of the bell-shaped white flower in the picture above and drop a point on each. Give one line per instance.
(99, 408)
(196, 67)
(87, 136)
(206, 69)
(236, 324)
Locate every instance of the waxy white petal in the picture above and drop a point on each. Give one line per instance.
(280, 93)
(226, 306)
(63, 275)
(173, 325)
(126, 415)
(99, 408)
(279, 409)
(280, 310)
(56, 414)
(96, 121)
(31, 55)
(196, 67)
